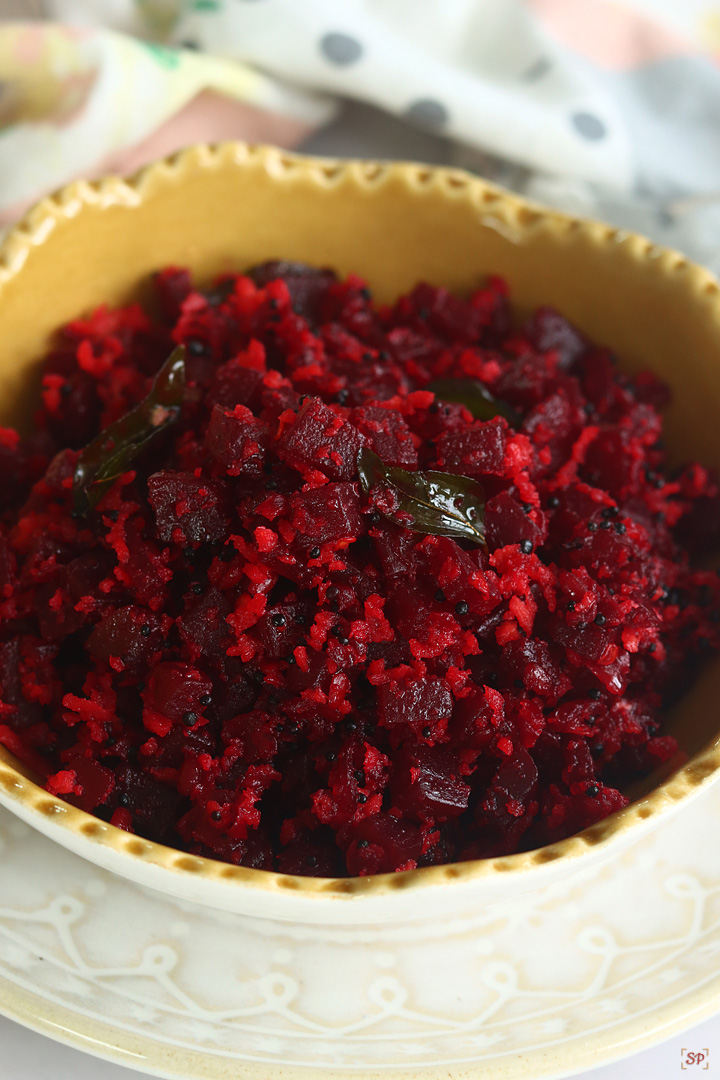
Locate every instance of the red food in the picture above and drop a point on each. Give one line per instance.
(237, 653)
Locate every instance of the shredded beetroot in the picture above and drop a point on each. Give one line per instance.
(237, 652)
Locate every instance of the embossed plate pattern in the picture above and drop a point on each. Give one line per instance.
(577, 975)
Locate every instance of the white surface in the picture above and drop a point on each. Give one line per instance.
(27, 1056)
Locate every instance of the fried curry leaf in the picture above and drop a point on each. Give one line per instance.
(476, 398)
(436, 503)
(113, 451)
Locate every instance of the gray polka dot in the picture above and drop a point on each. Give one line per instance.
(341, 48)
(537, 70)
(664, 217)
(589, 126)
(428, 113)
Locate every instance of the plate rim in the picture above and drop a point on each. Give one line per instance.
(587, 1052)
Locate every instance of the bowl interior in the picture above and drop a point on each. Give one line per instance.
(214, 210)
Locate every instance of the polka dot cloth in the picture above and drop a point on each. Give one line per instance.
(535, 107)
(603, 115)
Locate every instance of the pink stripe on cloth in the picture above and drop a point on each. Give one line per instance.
(210, 117)
(609, 34)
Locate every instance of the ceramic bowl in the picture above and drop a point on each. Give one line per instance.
(227, 207)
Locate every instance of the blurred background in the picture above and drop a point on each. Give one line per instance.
(603, 108)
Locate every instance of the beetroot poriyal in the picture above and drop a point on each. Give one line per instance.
(299, 582)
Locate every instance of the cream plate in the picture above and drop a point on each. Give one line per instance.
(580, 974)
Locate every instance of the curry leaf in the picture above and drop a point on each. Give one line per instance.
(476, 398)
(436, 503)
(115, 449)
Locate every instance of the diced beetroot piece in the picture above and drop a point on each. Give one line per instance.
(506, 522)
(381, 844)
(17, 470)
(509, 802)
(431, 423)
(275, 400)
(321, 440)
(73, 407)
(548, 330)
(175, 689)
(564, 814)
(256, 732)
(278, 631)
(369, 381)
(152, 805)
(55, 483)
(530, 717)
(258, 853)
(573, 506)
(457, 320)
(573, 718)
(420, 706)
(388, 434)
(237, 441)
(58, 614)
(395, 549)
(237, 695)
(143, 564)
(463, 578)
(650, 390)
(131, 634)
(309, 858)
(611, 464)
(172, 287)
(94, 784)
(592, 643)
(17, 742)
(357, 780)
(604, 548)
(614, 675)
(698, 531)
(599, 381)
(308, 671)
(578, 762)
(253, 850)
(10, 683)
(170, 751)
(327, 513)
(203, 627)
(307, 285)
(188, 507)
(408, 609)
(555, 424)
(538, 665)
(234, 383)
(475, 451)
(494, 306)
(474, 721)
(427, 786)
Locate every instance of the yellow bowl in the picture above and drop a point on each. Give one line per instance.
(227, 207)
